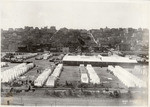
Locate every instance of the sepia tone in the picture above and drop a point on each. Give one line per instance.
(74, 66)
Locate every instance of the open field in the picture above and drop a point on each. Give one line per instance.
(104, 76)
(70, 74)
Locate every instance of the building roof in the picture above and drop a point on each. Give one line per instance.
(84, 58)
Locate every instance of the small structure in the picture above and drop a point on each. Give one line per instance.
(84, 76)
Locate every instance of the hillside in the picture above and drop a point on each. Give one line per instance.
(11, 39)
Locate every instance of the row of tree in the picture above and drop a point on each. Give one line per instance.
(64, 37)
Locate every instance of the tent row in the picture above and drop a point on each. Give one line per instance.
(94, 78)
(41, 79)
(26, 56)
(20, 65)
(126, 77)
(13, 73)
(137, 82)
(30, 66)
(53, 77)
(46, 56)
(84, 75)
(4, 64)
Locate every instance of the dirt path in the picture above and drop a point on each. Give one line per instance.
(49, 101)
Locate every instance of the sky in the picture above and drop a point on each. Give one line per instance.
(77, 15)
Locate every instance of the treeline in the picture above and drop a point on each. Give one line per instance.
(115, 36)
(29, 36)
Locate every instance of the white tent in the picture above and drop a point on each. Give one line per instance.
(11, 74)
(110, 68)
(39, 82)
(94, 79)
(3, 64)
(53, 77)
(46, 56)
(84, 78)
(51, 81)
(57, 70)
(127, 78)
(84, 75)
(27, 55)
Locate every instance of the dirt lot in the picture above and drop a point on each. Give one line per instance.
(49, 101)
(40, 65)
